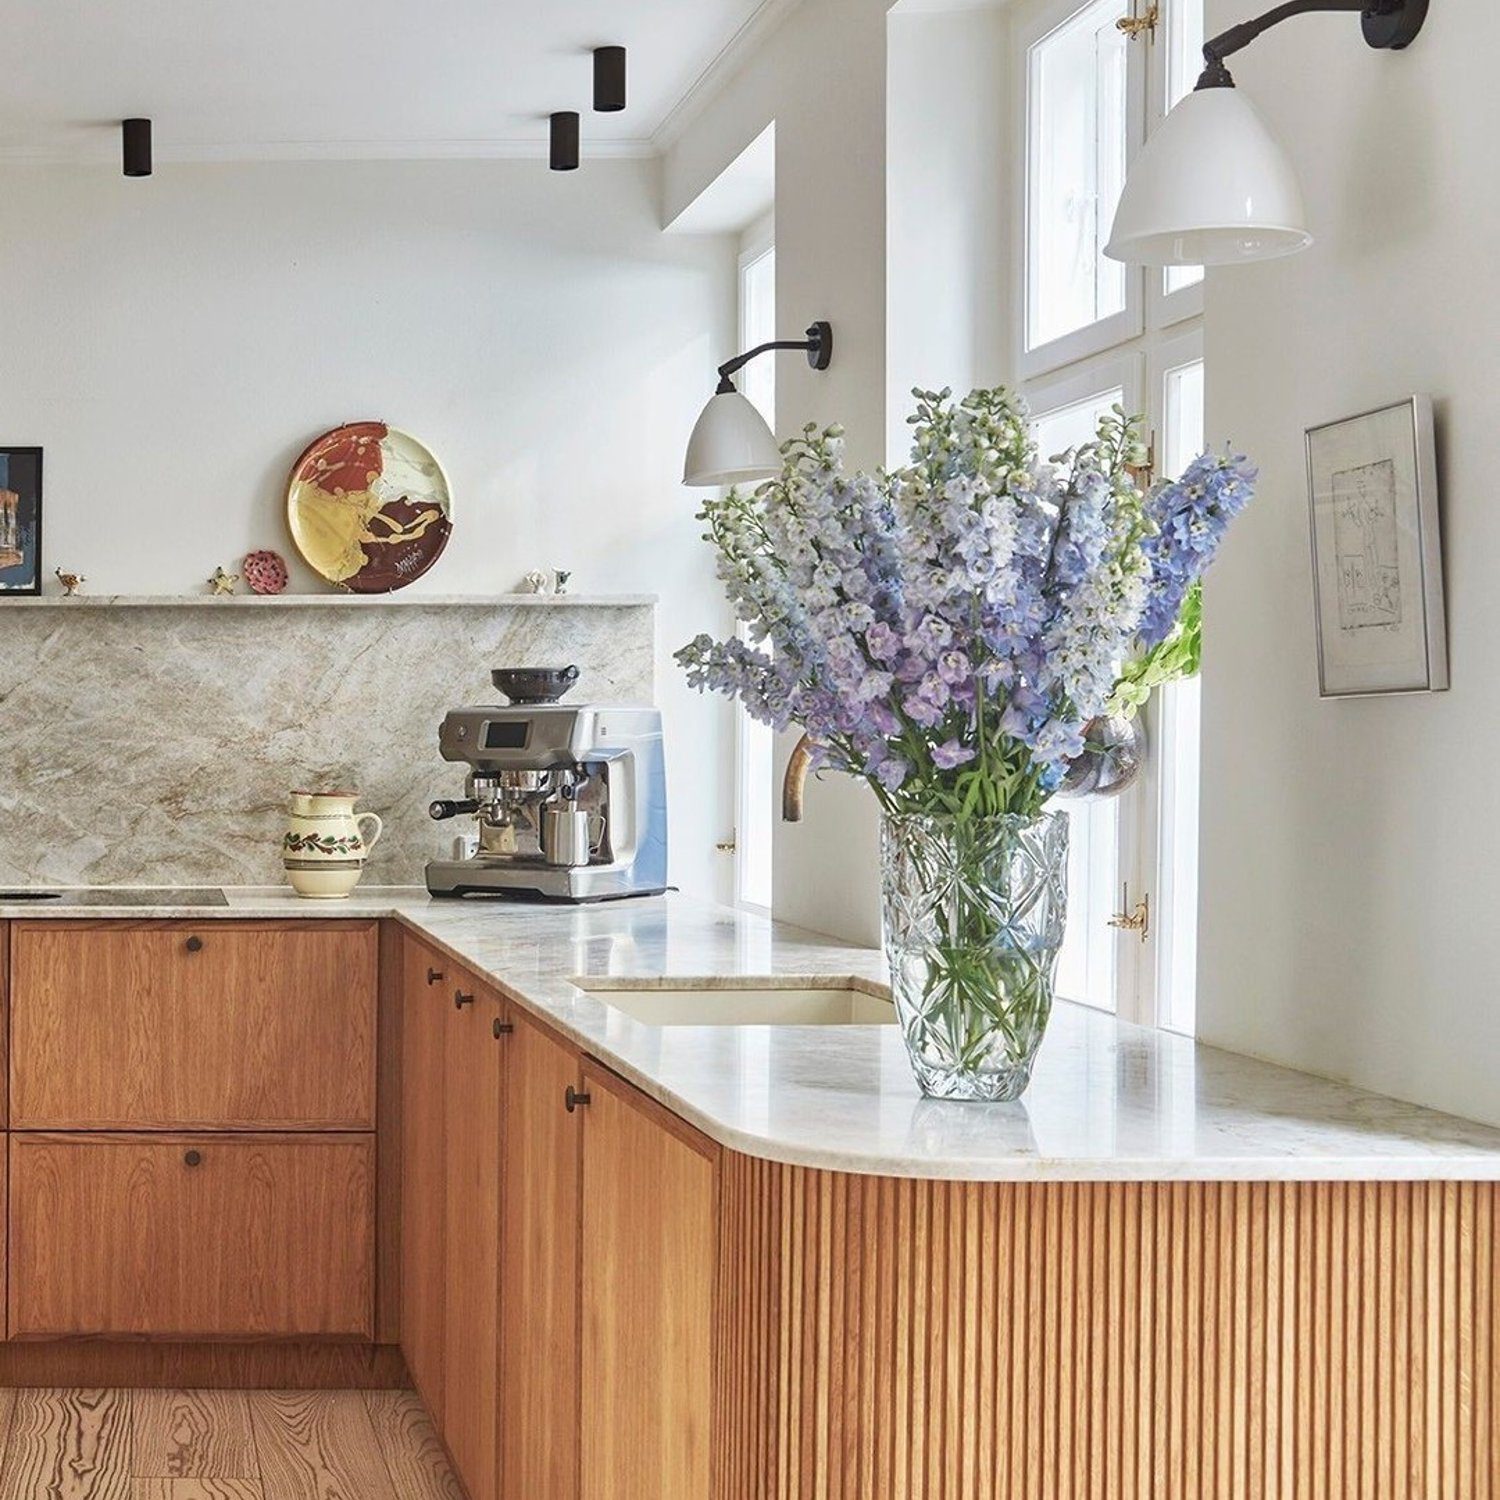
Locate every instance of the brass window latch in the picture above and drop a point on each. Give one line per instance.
(1137, 920)
(1134, 26)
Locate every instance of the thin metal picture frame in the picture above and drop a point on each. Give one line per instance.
(1425, 524)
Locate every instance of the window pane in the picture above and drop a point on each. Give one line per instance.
(1183, 439)
(1086, 965)
(1076, 108)
(1184, 64)
(755, 773)
(1073, 425)
(758, 321)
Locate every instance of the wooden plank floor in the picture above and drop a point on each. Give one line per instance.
(219, 1445)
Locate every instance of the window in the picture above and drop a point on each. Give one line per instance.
(755, 767)
(1094, 333)
(1075, 170)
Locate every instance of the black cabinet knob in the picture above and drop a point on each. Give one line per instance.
(502, 1028)
(573, 1099)
(460, 999)
(194, 944)
(434, 976)
(193, 1158)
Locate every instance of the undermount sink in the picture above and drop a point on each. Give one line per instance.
(745, 1002)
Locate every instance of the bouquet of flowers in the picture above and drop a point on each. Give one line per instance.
(948, 631)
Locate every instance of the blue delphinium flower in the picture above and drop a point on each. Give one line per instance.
(948, 630)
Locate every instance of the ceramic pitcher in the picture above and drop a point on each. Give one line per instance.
(325, 847)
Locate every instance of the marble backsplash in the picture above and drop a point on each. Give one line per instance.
(156, 745)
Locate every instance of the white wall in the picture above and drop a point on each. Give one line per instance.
(821, 77)
(174, 343)
(1349, 848)
(948, 172)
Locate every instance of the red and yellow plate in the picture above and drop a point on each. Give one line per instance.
(369, 507)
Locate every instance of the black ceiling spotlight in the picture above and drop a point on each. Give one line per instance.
(609, 80)
(135, 137)
(564, 156)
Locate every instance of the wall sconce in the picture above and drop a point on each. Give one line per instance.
(731, 443)
(1213, 186)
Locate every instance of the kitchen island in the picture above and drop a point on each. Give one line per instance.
(742, 1261)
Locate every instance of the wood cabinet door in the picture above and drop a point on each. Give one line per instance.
(214, 1026)
(192, 1236)
(539, 1260)
(649, 1240)
(426, 998)
(473, 1075)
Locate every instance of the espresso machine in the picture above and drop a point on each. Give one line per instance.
(568, 803)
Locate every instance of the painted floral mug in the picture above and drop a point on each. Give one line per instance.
(325, 847)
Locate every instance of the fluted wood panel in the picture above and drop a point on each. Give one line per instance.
(1253, 1341)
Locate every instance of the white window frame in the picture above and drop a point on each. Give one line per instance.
(1135, 350)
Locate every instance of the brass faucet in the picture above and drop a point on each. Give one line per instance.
(794, 783)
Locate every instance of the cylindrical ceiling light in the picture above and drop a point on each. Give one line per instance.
(609, 80)
(1213, 186)
(564, 156)
(135, 136)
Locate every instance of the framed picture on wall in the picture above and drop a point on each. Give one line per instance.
(1377, 559)
(20, 521)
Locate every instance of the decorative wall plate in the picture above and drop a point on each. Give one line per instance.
(369, 507)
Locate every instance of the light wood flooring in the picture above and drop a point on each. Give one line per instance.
(219, 1445)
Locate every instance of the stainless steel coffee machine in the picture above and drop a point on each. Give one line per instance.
(569, 803)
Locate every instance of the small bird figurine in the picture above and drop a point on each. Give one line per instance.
(222, 582)
(71, 582)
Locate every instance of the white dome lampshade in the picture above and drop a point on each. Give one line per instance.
(1212, 187)
(731, 444)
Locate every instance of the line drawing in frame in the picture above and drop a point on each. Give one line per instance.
(1376, 553)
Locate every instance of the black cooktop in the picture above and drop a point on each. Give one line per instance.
(114, 895)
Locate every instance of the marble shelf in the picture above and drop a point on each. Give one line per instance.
(327, 601)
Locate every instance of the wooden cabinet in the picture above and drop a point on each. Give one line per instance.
(425, 988)
(191, 1236)
(454, 1042)
(648, 1269)
(539, 1261)
(146, 1026)
(473, 1095)
(192, 1154)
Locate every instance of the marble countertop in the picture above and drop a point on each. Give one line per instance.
(1108, 1102)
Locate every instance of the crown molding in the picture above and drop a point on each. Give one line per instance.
(767, 16)
(101, 153)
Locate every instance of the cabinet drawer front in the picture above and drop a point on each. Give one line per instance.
(170, 1025)
(192, 1236)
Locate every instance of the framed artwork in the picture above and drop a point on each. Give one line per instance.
(1377, 558)
(20, 521)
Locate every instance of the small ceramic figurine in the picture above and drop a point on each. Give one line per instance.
(222, 582)
(537, 582)
(560, 581)
(72, 582)
(265, 572)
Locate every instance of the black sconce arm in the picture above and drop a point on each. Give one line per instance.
(818, 344)
(1387, 23)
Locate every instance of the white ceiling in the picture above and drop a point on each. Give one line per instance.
(253, 78)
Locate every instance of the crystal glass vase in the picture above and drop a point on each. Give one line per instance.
(974, 911)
